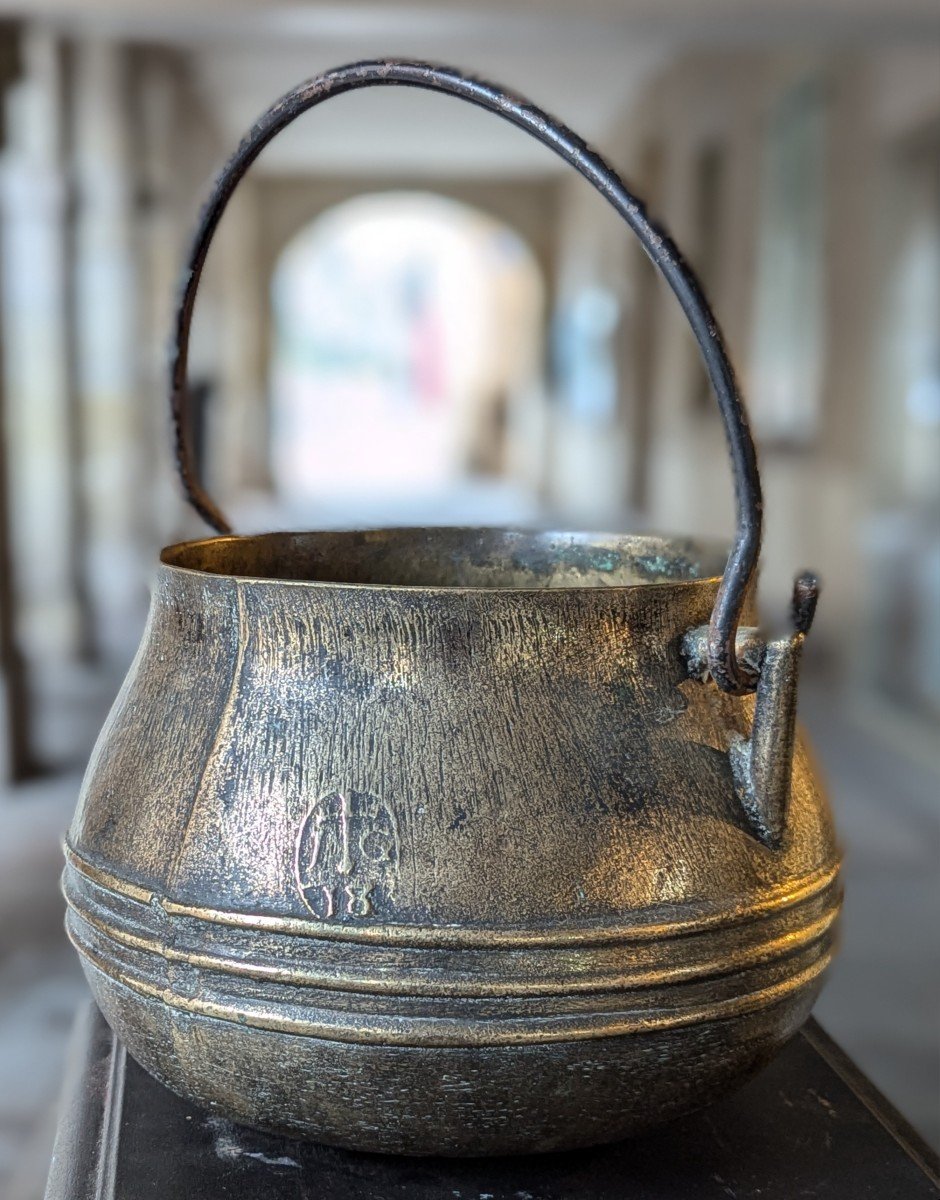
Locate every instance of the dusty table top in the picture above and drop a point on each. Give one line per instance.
(810, 1125)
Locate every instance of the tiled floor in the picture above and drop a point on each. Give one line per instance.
(881, 1001)
(41, 984)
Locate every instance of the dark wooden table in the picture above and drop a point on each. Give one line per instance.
(810, 1126)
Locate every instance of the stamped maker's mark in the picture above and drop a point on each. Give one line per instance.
(347, 855)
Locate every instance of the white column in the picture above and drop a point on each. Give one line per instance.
(33, 203)
(162, 232)
(178, 149)
(114, 436)
(16, 741)
(237, 432)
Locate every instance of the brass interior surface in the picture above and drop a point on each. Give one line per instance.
(454, 558)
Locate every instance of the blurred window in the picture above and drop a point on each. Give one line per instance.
(789, 325)
(901, 537)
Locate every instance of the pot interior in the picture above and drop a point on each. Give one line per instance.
(454, 558)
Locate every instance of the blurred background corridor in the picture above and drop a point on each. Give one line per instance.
(414, 314)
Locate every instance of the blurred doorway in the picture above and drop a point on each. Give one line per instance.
(406, 369)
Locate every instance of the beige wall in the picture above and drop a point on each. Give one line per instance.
(818, 495)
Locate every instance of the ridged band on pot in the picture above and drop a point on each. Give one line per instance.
(631, 1025)
(403, 989)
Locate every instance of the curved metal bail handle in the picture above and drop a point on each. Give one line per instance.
(725, 669)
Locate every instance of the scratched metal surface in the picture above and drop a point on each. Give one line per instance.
(809, 1126)
(458, 867)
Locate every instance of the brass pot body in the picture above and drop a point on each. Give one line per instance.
(425, 842)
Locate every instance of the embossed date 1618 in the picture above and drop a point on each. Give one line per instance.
(347, 855)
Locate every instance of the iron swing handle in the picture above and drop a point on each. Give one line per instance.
(725, 666)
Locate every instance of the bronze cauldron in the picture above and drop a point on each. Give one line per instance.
(456, 841)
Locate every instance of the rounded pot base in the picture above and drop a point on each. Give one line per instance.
(451, 1101)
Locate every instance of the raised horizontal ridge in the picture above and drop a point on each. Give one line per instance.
(394, 1029)
(468, 937)
(427, 992)
(574, 980)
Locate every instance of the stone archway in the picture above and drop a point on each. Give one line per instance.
(405, 363)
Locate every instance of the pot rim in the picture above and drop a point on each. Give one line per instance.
(694, 560)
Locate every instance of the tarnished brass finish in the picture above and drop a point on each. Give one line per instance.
(425, 841)
(456, 841)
